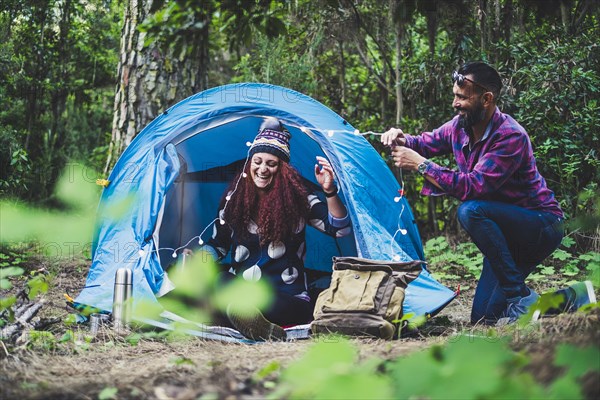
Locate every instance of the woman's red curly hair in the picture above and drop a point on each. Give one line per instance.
(278, 214)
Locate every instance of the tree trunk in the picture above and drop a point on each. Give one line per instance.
(397, 23)
(565, 15)
(342, 76)
(399, 100)
(497, 20)
(432, 215)
(59, 98)
(431, 14)
(384, 93)
(507, 20)
(481, 15)
(151, 79)
(520, 16)
(35, 91)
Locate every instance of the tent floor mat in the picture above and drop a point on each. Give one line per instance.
(173, 322)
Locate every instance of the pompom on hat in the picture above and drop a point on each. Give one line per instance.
(272, 138)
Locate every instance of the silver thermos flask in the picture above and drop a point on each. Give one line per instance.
(122, 299)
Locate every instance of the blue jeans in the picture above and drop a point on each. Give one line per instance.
(513, 241)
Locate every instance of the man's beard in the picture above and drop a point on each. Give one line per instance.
(471, 118)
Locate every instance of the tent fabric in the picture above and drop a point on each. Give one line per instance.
(165, 189)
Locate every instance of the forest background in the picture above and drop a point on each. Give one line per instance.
(79, 79)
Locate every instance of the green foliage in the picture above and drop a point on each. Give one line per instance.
(557, 99)
(466, 367)
(108, 393)
(70, 320)
(579, 361)
(196, 298)
(193, 285)
(452, 263)
(175, 23)
(37, 285)
(572, 265)
(5, 273)
(247, 296)
(16, 168)
(464, 261)
(41, 340)
(21, 223)
(331, 369)
(588, 219)
(6, 302)
(266, 371)
(57, 64)
(77, 191)
(440, 372)
(14, 263)
(182, 361)
(547, 301)
(272, 61)
(68, 336)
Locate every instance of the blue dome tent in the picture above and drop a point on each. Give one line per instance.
(174, 173)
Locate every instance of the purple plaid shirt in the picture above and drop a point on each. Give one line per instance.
(499, 167)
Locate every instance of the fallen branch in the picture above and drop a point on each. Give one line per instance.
(8, 331)
(44, 323)
(22, 309)
(30, 313)
(21, 298)
(5, 349)
(26, 313)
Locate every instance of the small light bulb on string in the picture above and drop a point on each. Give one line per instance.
(248, 144)
(330, 133)
(174, 255)
(401, 194)
(356, 132)
(200, 241)
(227, 197)
(142, 253)
(222, 221)
(245, 175)
(400, 230)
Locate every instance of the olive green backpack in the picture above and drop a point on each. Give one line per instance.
(365, 297)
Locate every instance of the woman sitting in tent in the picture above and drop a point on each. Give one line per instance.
(262, 223)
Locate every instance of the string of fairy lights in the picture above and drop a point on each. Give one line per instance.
(308, 131)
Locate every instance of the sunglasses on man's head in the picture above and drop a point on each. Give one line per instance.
(460, 80)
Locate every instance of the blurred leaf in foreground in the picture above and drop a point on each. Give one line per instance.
(58, 232)
(330, 370)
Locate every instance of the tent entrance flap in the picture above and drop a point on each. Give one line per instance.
(192, 203)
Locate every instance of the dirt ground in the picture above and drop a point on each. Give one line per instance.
(190, 368)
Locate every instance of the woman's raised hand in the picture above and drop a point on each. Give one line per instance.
(324, 174)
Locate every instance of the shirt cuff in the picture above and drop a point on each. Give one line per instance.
(339, 222)
(409, 141)
(429, 189)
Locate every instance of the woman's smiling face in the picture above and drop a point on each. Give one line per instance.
(263, 168)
